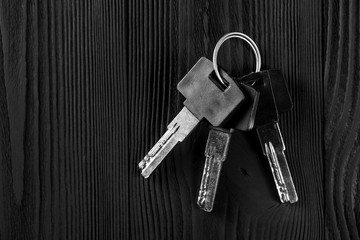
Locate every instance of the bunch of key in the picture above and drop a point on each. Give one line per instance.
(213, 96)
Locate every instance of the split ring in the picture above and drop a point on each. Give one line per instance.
(242, 36)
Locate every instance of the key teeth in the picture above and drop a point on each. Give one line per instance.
(215, 153)
(283, 191)
(142, 165)
(279, 181)
(284, 198)
(202, 204)
(290, 200)
(144, 175)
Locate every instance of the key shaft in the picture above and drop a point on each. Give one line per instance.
(216, 151)
(177, 131)
(273, 147)
(274, 99)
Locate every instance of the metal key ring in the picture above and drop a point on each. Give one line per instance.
(242, 36)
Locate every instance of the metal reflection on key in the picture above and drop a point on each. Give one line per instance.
(271, 102)
(204, 99)
(219, 138)
(218, 144)
(178, 129)
(215, 152)
(274, 147)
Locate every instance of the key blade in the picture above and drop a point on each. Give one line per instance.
(177, 131)
(216, 151)
(281, 173)
(273, 147)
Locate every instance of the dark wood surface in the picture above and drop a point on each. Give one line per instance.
(341, 112)
(87, 87)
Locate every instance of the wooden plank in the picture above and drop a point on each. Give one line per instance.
(87, 87)
(342, 120)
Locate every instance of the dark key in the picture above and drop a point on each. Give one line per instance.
(244, 118)
(272, 101)
(281, 94)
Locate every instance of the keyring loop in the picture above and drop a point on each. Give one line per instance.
(242, 36)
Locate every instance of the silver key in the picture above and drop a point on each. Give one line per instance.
(217, 147)
(273, 147)
(216, 151)
(178, 129)
(204, 99)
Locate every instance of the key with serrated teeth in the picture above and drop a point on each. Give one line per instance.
(218, 144)
(216, 151)
(205, 99)
(274, 99)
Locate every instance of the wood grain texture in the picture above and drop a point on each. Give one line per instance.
(342, 121)
(87, 87)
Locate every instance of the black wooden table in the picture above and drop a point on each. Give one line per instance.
(87, 87)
